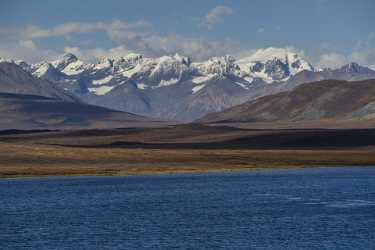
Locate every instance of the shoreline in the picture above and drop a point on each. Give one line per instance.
(179, 171)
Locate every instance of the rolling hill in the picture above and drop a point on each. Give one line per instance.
(324, 100)
(27, 112)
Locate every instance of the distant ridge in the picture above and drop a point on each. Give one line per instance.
(328, 99)
(31, 112)
(14, 79)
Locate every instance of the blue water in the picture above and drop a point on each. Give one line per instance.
(325, 208)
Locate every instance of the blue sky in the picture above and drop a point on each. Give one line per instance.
(328, 32)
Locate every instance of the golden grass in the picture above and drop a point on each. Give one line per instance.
(42, 160)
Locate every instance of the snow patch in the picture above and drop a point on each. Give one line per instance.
(141, 86)
(42, 70)
(130, 72)
(242, 85)
(168, 82)
(101, 90)
(201, 79)
(74, 68)
(197, 88)
(103, 80)
(103, 64)
(248, 79)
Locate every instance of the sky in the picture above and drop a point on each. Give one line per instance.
(328, 33)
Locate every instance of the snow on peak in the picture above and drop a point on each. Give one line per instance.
(64, 61)
(183, 59)
(161, 71)
(129, 60)
(69, 64)
(42, 69)
(104, 63)
(69, 57)
(221, 66)
(274, 64)
(6, 60)
(24, 65)
(133, 57)
(46, 70)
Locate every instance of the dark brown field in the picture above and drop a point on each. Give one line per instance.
(183, 148)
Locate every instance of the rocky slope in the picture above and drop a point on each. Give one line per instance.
(329, 99)
(19, 111)
(13, 79)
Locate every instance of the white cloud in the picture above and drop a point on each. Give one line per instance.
(129, 36)
(364, 57)
(97, 53)
(25, 50)
(332, 60)
(155, 45)
(73, 50)
(363, 53)
(29, 44)
(32, 31)
(268, 53)
(139, 37)
(260, 30)
(17, 52)
(216, 15)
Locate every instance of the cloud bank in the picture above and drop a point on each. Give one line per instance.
(216, 15)
(128, 36)
(31, 42)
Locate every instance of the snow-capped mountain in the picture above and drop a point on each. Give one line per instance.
(14, 79)
(174, 87)
(221, 66)
(70, 65)
(274, 64)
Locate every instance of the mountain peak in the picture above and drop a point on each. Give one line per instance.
(271, 53)
(184, 59)
(46, 70)
(64, 61)
(6, 60)
(128, 60)
(69, 57)
(274, 64)
(133, 56)
(221, 66)
(354, 67)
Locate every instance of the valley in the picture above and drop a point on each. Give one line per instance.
(141, 115)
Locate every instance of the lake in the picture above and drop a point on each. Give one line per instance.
(313, 208)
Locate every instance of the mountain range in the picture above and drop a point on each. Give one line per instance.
(174, 87)
(27, 102)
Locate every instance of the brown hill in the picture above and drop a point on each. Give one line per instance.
(13, 79)
(324, 100)
(20, 111)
